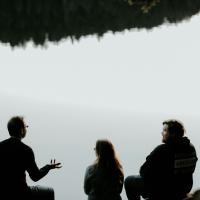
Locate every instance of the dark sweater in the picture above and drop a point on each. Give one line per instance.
(168, 169)
(16, 158)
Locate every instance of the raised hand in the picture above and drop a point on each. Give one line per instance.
(54, 165)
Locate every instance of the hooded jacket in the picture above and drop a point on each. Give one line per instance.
(168, 170)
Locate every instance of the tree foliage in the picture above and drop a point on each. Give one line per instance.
(53, 20)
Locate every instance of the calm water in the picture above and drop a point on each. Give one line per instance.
(68, 133)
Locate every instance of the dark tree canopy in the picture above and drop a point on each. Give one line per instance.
(53, 20)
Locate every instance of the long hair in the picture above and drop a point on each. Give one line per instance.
(106, 157)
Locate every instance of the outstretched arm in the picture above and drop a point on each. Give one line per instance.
(34, 172)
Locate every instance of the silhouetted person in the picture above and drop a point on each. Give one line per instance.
(104, 179)
(17, 158)
(194, 195)
(167, 172)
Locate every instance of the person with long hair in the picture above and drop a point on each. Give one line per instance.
(104, 178)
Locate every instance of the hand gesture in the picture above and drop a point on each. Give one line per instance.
(54, 165)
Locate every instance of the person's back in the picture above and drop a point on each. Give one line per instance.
(184, 166)
(104, 179)
(14, 156)
(103, 186)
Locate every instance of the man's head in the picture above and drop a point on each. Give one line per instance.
(17, 127)
(172, 130)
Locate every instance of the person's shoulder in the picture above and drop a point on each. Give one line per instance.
(186, 144)
(2, 143)
(190, 144)
(192, 147)
(90, 168)
(27, 147)
(5, 142)
(161, 147)
(159, 150)
(89, 171)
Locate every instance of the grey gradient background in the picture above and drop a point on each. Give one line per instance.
(120, 87)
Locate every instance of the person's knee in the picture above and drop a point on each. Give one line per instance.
(49, 193)
(134, 184)
(127, 182)
(42, 193)
(131, 187)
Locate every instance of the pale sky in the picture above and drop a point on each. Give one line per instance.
(145, 71)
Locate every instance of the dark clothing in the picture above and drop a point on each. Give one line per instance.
(134, 186)
(168, 169)
(17, 158)
(99, 184)
(41, 193)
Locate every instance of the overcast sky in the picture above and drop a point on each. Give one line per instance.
(146, 71)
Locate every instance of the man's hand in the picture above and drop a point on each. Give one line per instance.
(54, 165)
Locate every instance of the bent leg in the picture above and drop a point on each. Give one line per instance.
(41, 193)
(134, 187)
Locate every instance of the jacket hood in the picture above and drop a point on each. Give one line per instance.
(180, 142)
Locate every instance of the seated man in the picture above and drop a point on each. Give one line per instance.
(167, 171)
(17, 158)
